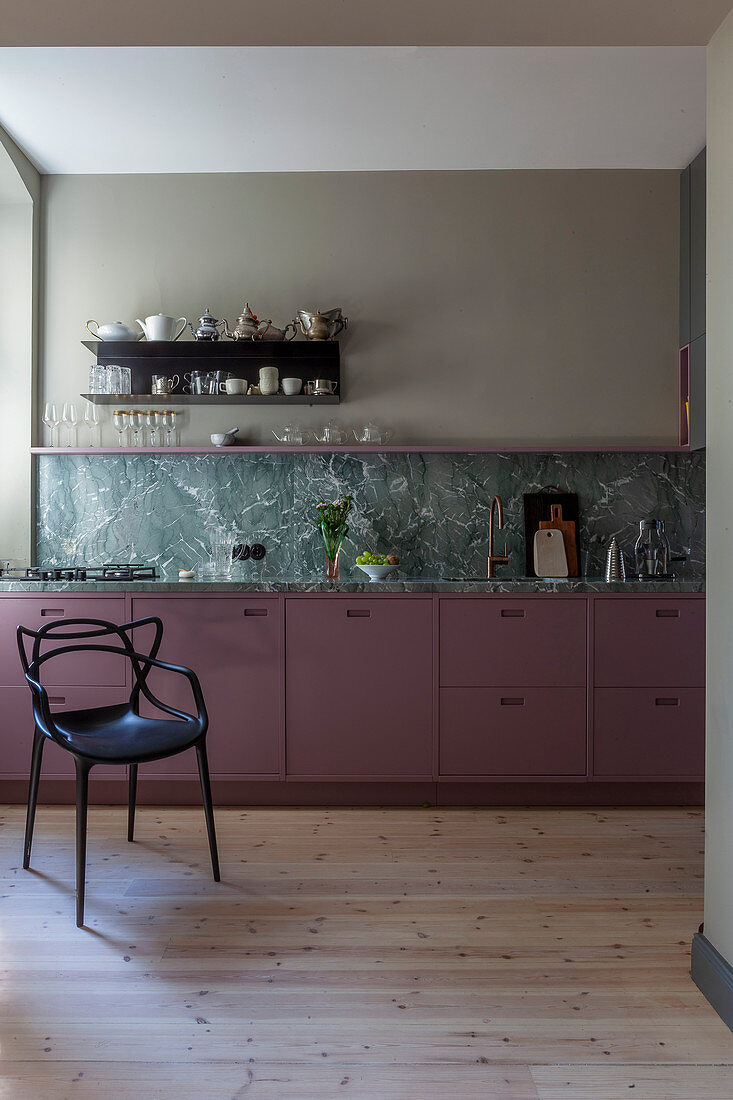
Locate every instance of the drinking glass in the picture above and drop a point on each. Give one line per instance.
(97, 379)
(125, 380)
(70, 420)
(120, 418)
(152, 419)
(51, 420)
(114, 379)
(169, 423)
(91, 419)
(137, 422)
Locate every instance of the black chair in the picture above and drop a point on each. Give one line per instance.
(110, 735)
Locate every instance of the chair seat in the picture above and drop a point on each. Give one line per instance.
(116, 735)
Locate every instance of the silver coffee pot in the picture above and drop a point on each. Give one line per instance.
(208, 327)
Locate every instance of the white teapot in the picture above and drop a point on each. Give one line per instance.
(114, 330)
(161, 327)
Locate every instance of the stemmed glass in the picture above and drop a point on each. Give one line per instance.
(51, 420)
(70, 420)
(119, 418)
(137, 422)
(152, 419)
(169, 423)
(91, 419)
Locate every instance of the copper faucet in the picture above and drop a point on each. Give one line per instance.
(495, 559)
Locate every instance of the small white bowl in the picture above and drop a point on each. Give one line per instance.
(378, 572)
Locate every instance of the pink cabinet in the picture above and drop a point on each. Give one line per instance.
(16, 731)
(650, 642)
(496, 641)
(359, 676)
(233, 645)
(649, 733)
(490, 732)
(93, 669)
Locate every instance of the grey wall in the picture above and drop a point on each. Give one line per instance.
(719, 805)
(19, 256)
(486, 306)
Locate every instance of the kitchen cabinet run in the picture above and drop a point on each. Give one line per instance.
(337, 688)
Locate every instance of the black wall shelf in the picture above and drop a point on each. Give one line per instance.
(304, 359)
(173, 399)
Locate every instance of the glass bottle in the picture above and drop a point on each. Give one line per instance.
(651, 552)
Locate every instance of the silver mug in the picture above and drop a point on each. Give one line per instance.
(164, 384)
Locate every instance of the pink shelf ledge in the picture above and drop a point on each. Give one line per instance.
(396, 448)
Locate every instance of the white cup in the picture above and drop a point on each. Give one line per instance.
(292, 386)
(235, 386)
(269, 381)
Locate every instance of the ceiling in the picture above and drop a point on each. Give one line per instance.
(355, 23)
(299, 109)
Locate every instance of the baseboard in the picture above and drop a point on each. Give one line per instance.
(713, 976)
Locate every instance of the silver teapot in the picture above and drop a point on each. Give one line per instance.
(247, 326)
(321, 326)
(208, 327)
(267, 331)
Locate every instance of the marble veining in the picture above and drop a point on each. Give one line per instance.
(431, 509)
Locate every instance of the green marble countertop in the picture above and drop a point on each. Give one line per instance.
(425, 585)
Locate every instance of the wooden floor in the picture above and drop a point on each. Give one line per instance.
(420, 953)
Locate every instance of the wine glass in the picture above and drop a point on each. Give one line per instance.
(119, 418)
(152, 419)
(169, 423)
(91, 419)
(70, 420)
(137, 422)
(52, 420)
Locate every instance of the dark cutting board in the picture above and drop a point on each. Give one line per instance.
(537, 508)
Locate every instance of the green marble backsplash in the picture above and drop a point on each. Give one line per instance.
(431, 509)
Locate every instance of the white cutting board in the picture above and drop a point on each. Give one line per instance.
(550, 559)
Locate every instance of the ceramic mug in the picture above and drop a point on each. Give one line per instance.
(269, 381)
(292, 386)
(235, 387)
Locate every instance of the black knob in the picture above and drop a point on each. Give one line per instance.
(258, 551)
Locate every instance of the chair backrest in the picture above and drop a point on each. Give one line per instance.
(81, 638)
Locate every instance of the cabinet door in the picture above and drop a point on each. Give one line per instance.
(650, 642)
(489, 732)
(697, 246)
(16, 731)
(359, 688)
(649, 733)
(233, 645)
(537, 642)
(92, 669)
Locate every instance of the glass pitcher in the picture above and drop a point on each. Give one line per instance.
(226, 548)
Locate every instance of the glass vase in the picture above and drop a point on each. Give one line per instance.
(332, 567)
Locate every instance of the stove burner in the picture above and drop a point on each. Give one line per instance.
(109, 572)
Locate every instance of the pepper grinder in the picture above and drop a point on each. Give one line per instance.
(615, 566)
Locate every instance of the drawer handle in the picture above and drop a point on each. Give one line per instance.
(668, 613)
(57, 700)
(516, 701)
(58, 611)
(513, 613)
(359, 613)
(667, 702)
(255, 610)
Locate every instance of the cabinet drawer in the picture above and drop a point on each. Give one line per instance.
(649, 733)
(94, 669)
(512, 731)
(16, 731)
(650, 642)
(493, 641)
(359, 688)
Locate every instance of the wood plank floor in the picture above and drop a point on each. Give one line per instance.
(363, 954)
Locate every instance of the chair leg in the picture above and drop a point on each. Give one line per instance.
(30, 817)
(132, 798)
(208, 808)
(82, 799)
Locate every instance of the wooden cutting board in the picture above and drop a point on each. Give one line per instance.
(537, 508)
(567, 527)
(550, 559)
